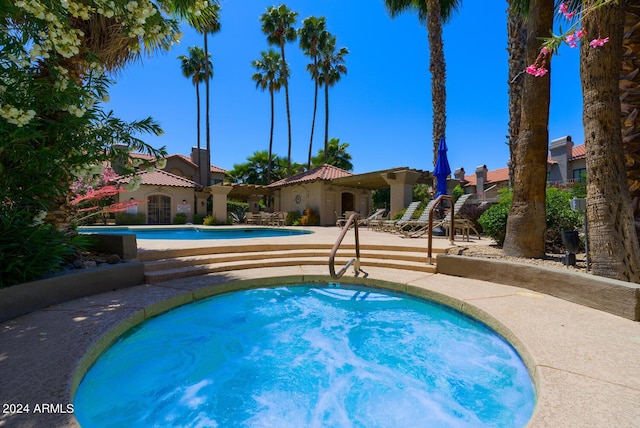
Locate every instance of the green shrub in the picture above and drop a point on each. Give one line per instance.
(29, 252)
(560, 217)
(494, 220)
(212, 221)
(198, 219)
(399, 214)
(180, 218)
(293, 218)
(457, 192)
(126, 218)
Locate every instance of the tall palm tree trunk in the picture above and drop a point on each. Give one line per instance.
(198, 132)
(516, 44)
(286, 97)
(208, 129)
(526, 224)
(315, 108)
(270, 137)
(326, 118)
(630, 95)
(613, 242)
(437, 68)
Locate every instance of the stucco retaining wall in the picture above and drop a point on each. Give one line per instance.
(609, 295)
(30, 296)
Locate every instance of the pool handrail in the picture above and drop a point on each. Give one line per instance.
(353, 220)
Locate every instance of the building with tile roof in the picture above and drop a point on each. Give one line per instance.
(172, 190)
(566, 164)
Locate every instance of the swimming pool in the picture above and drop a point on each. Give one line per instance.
(195, 232)
(308, 355)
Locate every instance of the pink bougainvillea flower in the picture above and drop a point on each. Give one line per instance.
(572, 40)
(536, 71)
(581, 33)
(598, 42)
(564, 9)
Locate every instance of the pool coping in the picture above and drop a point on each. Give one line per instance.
(584, 360)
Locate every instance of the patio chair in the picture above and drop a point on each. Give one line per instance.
(372, 219)
(410, 227)
(390, 225)
(460, 222)
(340, 220)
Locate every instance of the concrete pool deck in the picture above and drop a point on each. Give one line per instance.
(584, 361)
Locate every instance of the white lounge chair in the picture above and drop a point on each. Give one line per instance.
(390, 225)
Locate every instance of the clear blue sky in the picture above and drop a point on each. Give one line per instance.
(382, 107)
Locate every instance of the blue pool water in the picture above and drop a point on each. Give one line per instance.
(308, 356)
(191, 233)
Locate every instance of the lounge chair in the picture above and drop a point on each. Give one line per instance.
(460, 222)
(390, 225)
(372, 218)
(410, 227)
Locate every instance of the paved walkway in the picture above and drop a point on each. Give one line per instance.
(584, 362)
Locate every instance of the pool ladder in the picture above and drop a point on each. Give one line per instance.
(352, 221)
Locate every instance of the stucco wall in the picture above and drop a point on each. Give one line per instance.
(177, 195)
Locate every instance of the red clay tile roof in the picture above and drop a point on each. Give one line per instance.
(160, 178)
(324, 172)
(495, 176)
(578, 152)
(187, 159)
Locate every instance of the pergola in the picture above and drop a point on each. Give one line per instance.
(400, 180)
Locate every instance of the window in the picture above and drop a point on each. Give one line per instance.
(579, 175)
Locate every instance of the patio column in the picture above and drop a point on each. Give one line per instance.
(219, 194)
(201, 202)
(401, 184)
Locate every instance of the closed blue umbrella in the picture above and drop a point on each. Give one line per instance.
(442, 169)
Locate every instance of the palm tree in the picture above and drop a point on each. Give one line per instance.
(207, 22)
(526, 224)
(516, 45)
(630, 95)
(331, 70)
(277, 24)
(269, 77)
(613, 241)
(336, 155)
(195, 67)
(433, 13)
(313, 36)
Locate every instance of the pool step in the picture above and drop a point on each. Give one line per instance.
(166, 265)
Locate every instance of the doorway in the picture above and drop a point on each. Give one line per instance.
(159, 209)
(347, 202)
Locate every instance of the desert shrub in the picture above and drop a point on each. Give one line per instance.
(310, 218)
(237, 209)
(123, 218)
(180, 218)
(560, 217)
(293, 218)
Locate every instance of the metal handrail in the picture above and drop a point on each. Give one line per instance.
(353, 220)
(451, 230)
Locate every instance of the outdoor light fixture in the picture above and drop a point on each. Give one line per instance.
(184, 201)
